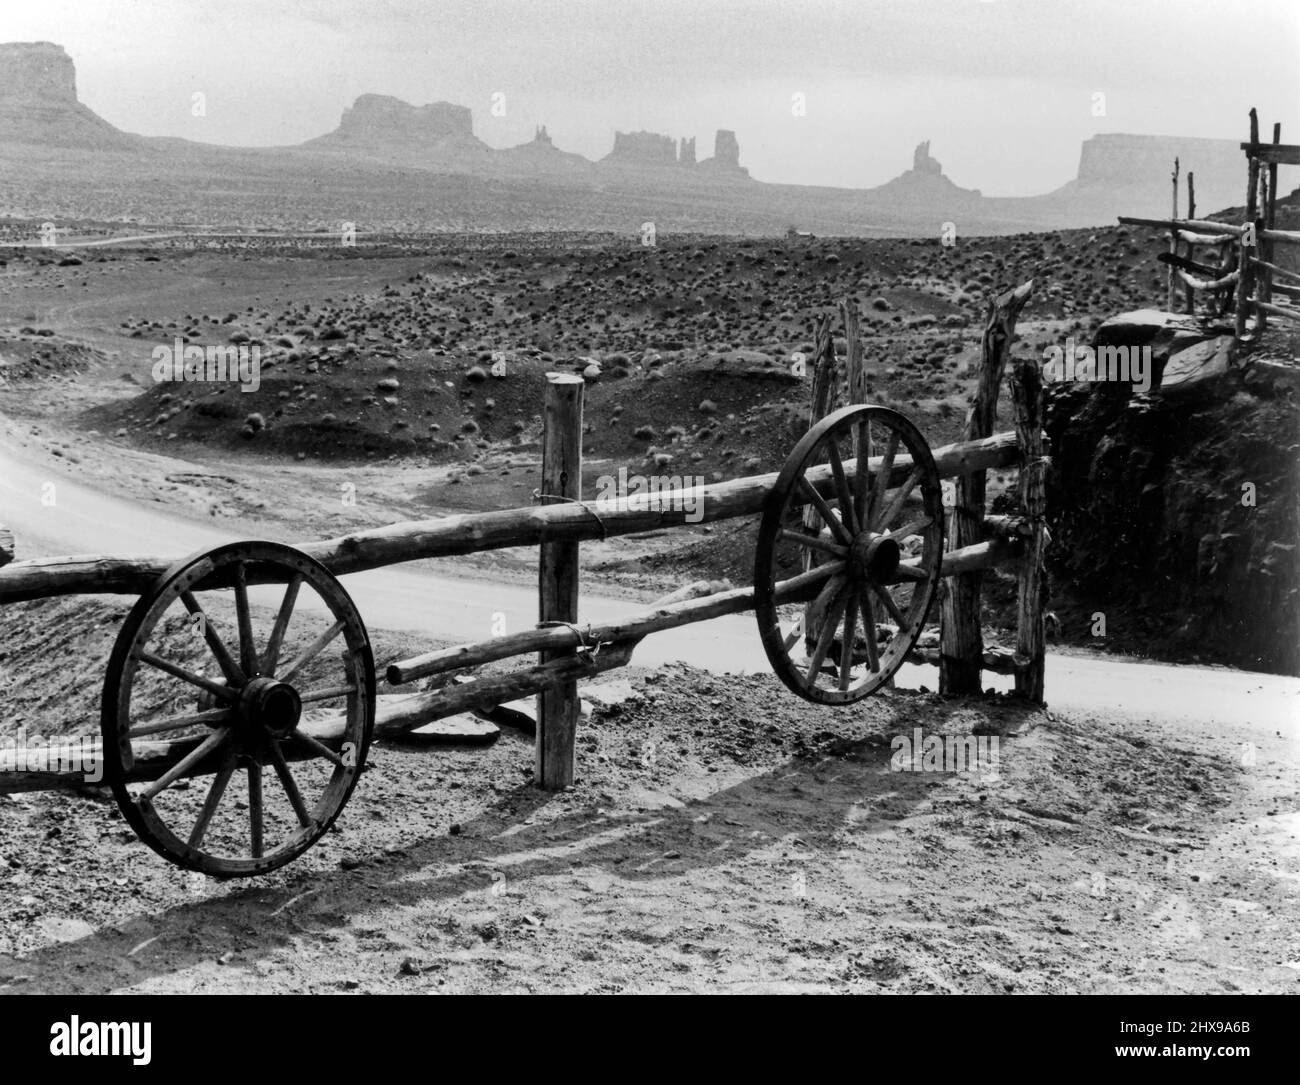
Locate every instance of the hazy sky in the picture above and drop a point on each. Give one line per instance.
(1004, 89)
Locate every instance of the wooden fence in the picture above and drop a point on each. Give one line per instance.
(1246, 278)
(567, 650)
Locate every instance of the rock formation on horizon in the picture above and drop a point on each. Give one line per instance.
(924, 184)
(38, 101)
(726, 155)
(686, 152)
(642, 149)
(379, 123)
(922, 162)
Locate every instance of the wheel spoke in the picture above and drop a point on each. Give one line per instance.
(848, 513)
(883, 594)
(220, 715)
(234, 675)
(247, 649)
(255, 808)
(290, 786)
(272, 656)
(213, 799)
(814, 542)
(846, 643)
(319, 748)
(869, 629)
(819, 503)
(913, 528)
(862, 473)
(225, 693)
(908, 571)
(312, 651)
(186, 763)
(326, 694)
(900, 497)
(824, 640)
(882, 479)
(794, 590)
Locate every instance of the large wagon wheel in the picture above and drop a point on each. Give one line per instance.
(848, 561)
(189, 678)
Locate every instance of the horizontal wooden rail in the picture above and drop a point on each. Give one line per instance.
(1285, 237)
(1204, 226)
(1286, 272)
(1229, 279)
(473, 532)
(1283, 154)
(404, 714)
(983, 555)
(1284, 311)
(997, 660)
(1205, 239)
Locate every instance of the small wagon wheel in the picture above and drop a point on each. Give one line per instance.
(199, 683)
(848, 561)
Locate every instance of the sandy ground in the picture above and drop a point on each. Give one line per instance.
(723, 836)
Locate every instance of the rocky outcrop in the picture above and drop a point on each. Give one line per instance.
(686, 152)
(539, 157)
(642, 149)
(1173, 514)
(38, 101)
(922, 163)
(924, 185)
(726, 156)
(379, 123)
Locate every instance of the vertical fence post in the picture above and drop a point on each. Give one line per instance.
(1269, 212)
(823, 402)
(1172, 277)
(1252, 196)
(1189, 296)
(1031, 634)
(557, 707)
(961, 641)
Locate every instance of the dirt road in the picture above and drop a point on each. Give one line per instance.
(85, 519)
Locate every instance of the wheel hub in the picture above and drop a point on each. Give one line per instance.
(271, 705)
(874, 557)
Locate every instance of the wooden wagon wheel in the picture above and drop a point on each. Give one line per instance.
(190, 678)
(848, 562)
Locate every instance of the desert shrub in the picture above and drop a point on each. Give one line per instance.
(255, 422)
(476, 373)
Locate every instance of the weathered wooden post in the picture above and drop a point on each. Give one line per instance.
(557, 706)
(823, 402)
(1267, 251)
(1246, 269)
(1031, 634)
(1172, 277)
(1189, 295)
(961, 641)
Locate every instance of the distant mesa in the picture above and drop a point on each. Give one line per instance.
(642, 149)
(39, 111)
(381, 123)
(38, 102)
